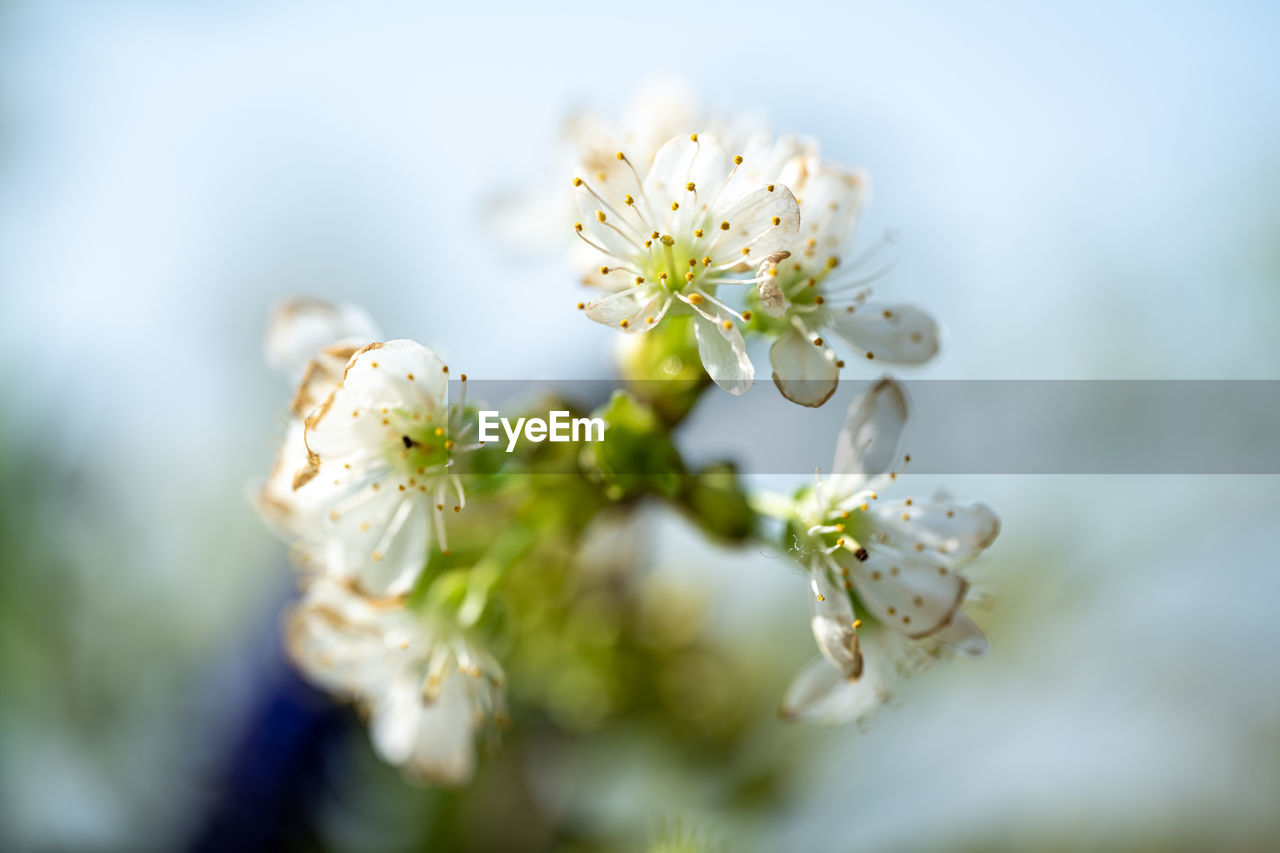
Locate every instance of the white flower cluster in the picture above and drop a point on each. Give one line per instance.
(899, 560)
(375, 454)
(670, 228)
(361, 490)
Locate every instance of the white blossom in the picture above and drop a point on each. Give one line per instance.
(380, 462)
(821, 290)
(427, 687)
(670, 236)
(309, 341)
(898, 561)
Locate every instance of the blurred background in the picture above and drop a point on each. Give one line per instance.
(1084, 191)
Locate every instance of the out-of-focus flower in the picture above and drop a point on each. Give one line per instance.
(821, 290)
(303, 331)
(380, 454)
(310, 342)
(895, 561)
(671, 235)
(427, 687)
(529, 217)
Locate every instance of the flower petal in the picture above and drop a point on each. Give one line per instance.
(804, 373)
(630, 310)
(617, 238)
(915, 594)
(300, 329)
(963, 635)
(832, 618)
(832, 199)
(820, 694)
(751, 225)
(344, 641)
(897, 333)
(872, 432)
(395, 375)
(396, 718)
(723, 351)
(444, 750)
(679, 162)
(958, 529)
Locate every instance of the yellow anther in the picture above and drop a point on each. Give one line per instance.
(697, 232)
(857, 623)
(577, 182)
(819, 300)
(746, 250)
(582, 305)
(439, 431)
(691, 186)
(448, 445)
(604, 270)
(839, 363)
(840, 542)
(624, 323)
(693, 137)
(639, 279)
(724, 225)
(577, 226)
(695, 298)
(706, 261)
(777, 220)
(693, 262)
(600, 215)
(621, 156)
(832, 261)
(650, 320)
(737, 159)
(769, 187)
(629, 200)
(689, 276)
(675, 205)
(746, 315)
(727, 324)
(821, 597)
(870, 356)
(653, 236)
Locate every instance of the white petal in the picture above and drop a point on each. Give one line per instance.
(401, 552)
(606, 234)
(630, 310)
(958, 529)
(395, 375)
(831, 618)
(345, 642)
(820, 694)
(964, 635)
(679, 162)
(444, 750)
(915, 594)
(396, 719)
(897, 333)
(289, 514)
(804, 373)
(751, 225)
(832, 200)
(301, 328)
(723, 352)
(872, 432)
